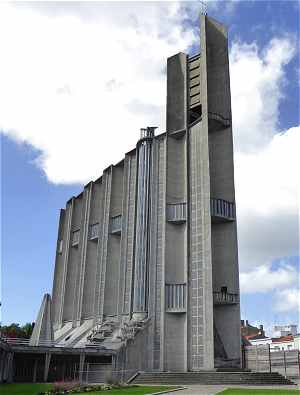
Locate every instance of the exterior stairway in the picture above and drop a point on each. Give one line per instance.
(211, 377)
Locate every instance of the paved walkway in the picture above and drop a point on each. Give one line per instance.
(215, 389)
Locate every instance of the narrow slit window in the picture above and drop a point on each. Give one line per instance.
(60, 246)
(75, 238)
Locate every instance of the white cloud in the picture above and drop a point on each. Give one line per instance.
(265, 279)
(267, 179)
(288, 300)
(257, 78)
(266, 159)
(69, 87)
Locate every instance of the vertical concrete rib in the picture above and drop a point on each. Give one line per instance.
(157, 226)
(127, 241)
(66, 252)
(176, 92)
(73, 259)
(77, 309)
(201, 306)
(161, 240)
(176, 192)
(112, 273)
(57, 279)
(99, 297)
(142, 236)
(224, 235)
(201, 353)
(91, 276)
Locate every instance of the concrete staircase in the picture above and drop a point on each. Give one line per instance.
(211, 377)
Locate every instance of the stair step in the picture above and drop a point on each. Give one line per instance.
(212, 377)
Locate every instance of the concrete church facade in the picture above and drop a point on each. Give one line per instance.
(147, 256)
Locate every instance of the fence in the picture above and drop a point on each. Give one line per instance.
(261, 359)
(19, 341)
(104, 373)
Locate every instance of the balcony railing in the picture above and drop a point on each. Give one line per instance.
(222, 209)
(175, 298)
(94, 231)
(222, 298)
(176, 212)
(225, 122)
(116, 225)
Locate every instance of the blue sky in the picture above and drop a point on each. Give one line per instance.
(41, 113)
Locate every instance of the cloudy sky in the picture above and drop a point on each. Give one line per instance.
(78, 80)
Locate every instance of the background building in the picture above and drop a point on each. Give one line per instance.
(285, 330)
(147, 261)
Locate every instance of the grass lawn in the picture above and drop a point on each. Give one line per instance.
(23, 389)
(262, 391)
(34, 389)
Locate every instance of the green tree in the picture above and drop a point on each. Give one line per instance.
(15, 330)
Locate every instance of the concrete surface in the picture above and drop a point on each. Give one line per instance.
(216, 389)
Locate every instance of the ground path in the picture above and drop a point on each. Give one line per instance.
(215, 389)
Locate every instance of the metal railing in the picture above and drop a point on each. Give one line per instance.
(116, 224)
(175, 297)
(219, 118)
(260, 358)
(104, 373)
(222, 208)
(225, 298)
(94, 231)
(19, 341)
(176, 212)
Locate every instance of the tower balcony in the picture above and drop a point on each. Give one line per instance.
(217, 121)
(176, 212)
(225, 298)
(116, 225)
(176, 298)
(222, 210)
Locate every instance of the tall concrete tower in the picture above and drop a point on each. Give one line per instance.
(147, 256)
(199, 136)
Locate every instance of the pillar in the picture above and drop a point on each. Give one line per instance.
(35, 366)
(10, 368)
(47, 365)
(81, 366)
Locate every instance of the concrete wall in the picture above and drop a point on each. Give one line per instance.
(73, 261)
(176, 92)
(176, 253)
(92, 256)
(127, 236)
(176, 245)
(157, 255)
(218, 83)
(58, 273)
(223, 235)
(201, 350)
(103, 246)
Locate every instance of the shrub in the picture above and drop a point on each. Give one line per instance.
(63, 387)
